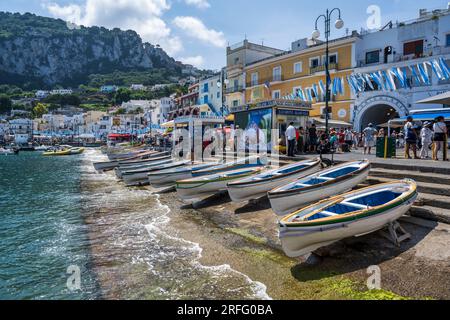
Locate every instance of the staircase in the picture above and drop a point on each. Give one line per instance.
(433, 184)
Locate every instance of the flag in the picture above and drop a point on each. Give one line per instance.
(424, 73)
(437, 69)
(395, 72)
(342, 87)
(308, 93)
(300, 93)
(351, 84)
(316, 91)
(444, 67)
(368, 81)
(322, 87)
(415, 75)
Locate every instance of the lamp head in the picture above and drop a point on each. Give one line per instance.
(316, 34)
(339, 24)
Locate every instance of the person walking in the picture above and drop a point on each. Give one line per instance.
(348, 138)
(411, 138)
(426, 136)
(312, 138)
(301, 140)
(369, 138)
(291, 136)
(440, 139)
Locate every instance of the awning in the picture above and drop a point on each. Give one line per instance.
(169, 124)
(333, 123)
(427, 116)
(443, 98)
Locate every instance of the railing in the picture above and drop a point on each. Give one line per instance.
(321, 68)
(234, 89)
(278, 78)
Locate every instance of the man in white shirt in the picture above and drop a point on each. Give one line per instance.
(291, 136)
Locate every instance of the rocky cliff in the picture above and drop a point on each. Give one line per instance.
(50, 51)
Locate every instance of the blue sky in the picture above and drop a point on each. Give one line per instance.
(198, 31)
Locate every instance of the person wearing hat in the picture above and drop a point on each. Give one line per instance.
(369, 138)
(426, 136)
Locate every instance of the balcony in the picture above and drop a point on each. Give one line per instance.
(278, 78)
(234, 89)
(321, 68)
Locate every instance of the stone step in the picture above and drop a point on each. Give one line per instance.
(438, 201)
(422, 187)
(428, 168)
(415, 175)
(431, 213)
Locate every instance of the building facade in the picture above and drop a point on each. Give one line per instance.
(302, 71)
(401, 45)
(238, 57)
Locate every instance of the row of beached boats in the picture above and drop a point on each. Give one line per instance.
(317, 205)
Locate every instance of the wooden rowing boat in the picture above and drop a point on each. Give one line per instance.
(326, 183)
(352, 214)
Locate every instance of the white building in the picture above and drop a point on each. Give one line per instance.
(41, 94)
(135, 105)
(22, 130)
(4, 130)
(61, 91)
(401, 45)
(211, 93)
(138, 87)
(167, 105)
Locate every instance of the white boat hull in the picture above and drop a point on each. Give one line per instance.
(168, 180)
(252, 191)
(202, 191)
(290, 202)
(136, 179)
(300, 241)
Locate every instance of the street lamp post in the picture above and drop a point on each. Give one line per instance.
(339, 24)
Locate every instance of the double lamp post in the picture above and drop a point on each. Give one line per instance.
(339, 24)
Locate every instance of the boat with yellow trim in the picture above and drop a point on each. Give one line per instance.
(55, 152)
(353, 214)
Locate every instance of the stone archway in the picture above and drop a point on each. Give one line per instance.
(378, 110)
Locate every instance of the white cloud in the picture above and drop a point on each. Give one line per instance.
(197, 61)
(202, 4)
(195, 28)
(143, 16)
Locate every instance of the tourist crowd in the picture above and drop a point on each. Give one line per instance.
(429, 138)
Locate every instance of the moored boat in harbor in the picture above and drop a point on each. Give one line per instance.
(140, 177)
(353, 214)
(257, 186)
(198, 188)
(318, 186)
(168, 178)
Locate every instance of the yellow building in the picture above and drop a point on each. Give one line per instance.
(303, 67)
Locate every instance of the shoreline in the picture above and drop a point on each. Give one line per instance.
(248, 241)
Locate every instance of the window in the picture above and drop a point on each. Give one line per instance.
(333, 58)
(254, 79)
(298, 67)
(236, 84)
(314, 62)
(218, 95)
(205, 99)
(276, 94)
(235, 103)
(447, 40)
(277, 74)
(372, 57)
(413, 48)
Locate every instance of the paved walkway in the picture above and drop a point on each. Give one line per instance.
(358, 155)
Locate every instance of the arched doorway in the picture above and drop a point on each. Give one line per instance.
(378, 109)
(377, 115)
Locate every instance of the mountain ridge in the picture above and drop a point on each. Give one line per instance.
(46, 52)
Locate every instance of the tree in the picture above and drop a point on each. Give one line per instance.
(5, 104)
(39, 110)
(122, 95)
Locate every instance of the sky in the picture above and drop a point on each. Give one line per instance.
(198, 31)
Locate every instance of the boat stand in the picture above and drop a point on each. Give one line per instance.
(397, 234)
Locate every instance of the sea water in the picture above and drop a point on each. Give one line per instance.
(58, 213)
